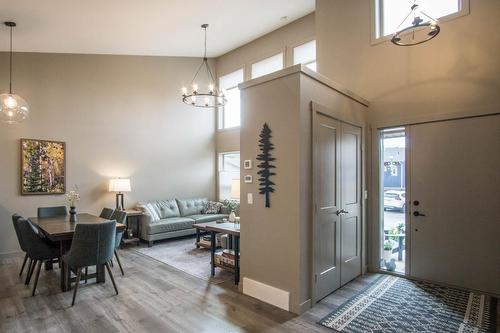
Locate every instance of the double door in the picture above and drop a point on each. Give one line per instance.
(337, 204)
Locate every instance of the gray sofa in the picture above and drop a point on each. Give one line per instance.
(164, 219)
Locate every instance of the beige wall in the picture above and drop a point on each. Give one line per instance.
(280, 40)
(276, 246)
(456, 73)
(119, 116)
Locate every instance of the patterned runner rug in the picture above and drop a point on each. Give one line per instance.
(393, 304)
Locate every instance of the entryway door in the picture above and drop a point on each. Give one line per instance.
(455, 202)
(337, 204)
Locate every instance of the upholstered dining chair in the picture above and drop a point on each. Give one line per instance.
(44, 212)
(38, 250)
(120, 217)
(107, 213)
(21, 241)
(92, 245)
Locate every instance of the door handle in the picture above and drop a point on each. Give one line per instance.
(341, 212)
(417, 213)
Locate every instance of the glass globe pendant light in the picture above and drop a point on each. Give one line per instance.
(420, 29)
(209, 98)
(13, 108)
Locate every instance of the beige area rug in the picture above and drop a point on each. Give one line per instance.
(181, 253)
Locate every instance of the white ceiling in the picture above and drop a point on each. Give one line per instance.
(142, 27)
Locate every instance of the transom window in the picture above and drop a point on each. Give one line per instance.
(230, 114)
(390, 13)
(268, 65)
(305, 54)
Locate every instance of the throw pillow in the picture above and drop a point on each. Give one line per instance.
(211, 207)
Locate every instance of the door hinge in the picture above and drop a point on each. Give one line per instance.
(315, 278)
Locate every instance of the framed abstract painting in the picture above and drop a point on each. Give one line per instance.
(43, 167)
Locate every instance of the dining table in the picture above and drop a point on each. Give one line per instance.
(60, 229)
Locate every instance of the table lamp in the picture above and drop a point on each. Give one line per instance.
(119, 185)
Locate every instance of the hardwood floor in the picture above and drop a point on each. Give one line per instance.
(154, 297)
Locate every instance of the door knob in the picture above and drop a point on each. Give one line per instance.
(417, 213)
(341, 212)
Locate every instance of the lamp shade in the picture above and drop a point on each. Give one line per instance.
(119, 185)
(235, 189)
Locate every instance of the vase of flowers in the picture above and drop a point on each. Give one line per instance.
(73, 197)
(231, 206)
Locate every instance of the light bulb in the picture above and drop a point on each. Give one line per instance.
(211, 88)
(10, 102)
(10, 113)
(195, 87)
(184, 90)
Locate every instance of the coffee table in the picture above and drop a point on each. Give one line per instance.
(225, 228)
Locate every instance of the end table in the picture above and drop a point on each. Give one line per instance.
(132, 216)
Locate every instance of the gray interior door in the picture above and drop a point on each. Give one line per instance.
(350, 218)
(455, 202)
(337, 199)
(327, 199)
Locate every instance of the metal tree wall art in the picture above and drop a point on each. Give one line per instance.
(265, 145)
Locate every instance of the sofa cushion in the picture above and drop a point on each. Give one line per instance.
(170, 224)
(212, 207)
(149, 209)
(168, 208)
(201, 218)
(191, 206)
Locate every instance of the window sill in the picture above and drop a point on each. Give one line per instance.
(229, 129)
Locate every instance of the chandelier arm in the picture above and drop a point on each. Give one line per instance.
(10, 60)
(404, 20)
(210, 72)
(430, 17)
(199, 68)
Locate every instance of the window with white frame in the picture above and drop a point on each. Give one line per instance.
(229, 115)
(268, 65)
(390, 13)
(305, 54)
(229, 176)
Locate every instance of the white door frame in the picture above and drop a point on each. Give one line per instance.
(355, 121)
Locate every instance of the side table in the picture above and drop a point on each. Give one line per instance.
(132, 216)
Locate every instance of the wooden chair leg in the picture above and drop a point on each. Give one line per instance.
(86, 273)
(78, 276)
(31, 266)
(111, 276)
(24, 264)
(119, 263)
(38, 268)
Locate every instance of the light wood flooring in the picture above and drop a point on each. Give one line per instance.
(154, 297)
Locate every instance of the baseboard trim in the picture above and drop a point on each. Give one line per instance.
(266, 293)
(8, 255)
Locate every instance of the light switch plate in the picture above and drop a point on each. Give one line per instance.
(250, 198)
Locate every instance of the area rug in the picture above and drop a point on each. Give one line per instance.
(393, 304)
(182, 254)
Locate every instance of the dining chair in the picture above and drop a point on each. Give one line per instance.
(92, 245)
(22, 244)
(44, 212)
(38, 250)
(107, 213)
(120, 217)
